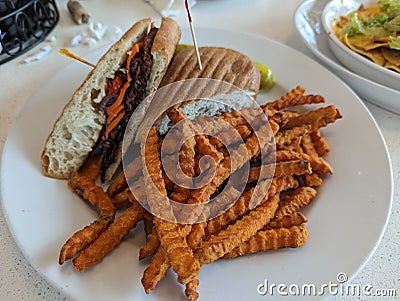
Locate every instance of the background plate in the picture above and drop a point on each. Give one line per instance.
(307, 20)
(346, 220)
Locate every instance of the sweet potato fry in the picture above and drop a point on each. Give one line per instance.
(285, 100)
(156, 270)
(283, 168)
(180, 255)
(120, 182)
(191, 290)
(159, 265)
(241, 207)
(82, 239)
(148, 223)
(87, 189)
(294, 201)
(110, 238)
(286, 137)
(318, 118)
(228, 239)
(318, 163)
(312, 180)
(172, 236)
(281, 117)
(272, 239)
(153, 178)
(242, 133)
(121, 200)
(151, 245)
(319, 142)
(206, 148)
(287, 221)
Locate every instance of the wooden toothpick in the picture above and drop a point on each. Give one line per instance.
(66, 52)
(193, 35)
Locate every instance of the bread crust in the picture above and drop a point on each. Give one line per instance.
(78, 128)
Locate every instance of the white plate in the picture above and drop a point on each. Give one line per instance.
(352, 60)
(307, 20)
(346, 221)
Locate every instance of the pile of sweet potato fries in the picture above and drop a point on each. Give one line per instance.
(299, 168)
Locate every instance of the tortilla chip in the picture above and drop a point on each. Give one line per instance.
(375, 54)
(391, 55)
(367, 42)
(393, 67)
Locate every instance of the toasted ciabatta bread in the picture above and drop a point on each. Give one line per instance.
(77, 130)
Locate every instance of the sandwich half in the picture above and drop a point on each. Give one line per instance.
(94, 119)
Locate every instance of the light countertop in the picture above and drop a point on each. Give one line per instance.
(272, 19)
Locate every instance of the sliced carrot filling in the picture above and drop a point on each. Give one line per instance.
(116, 111)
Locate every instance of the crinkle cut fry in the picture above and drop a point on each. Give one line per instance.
(241, 231)
(298, 100)
(319, 142)
(294, 201)
(120, 182)
(110, 238)
(221, 201)
(153, 178)
(313, 179)
(241, 206)
(250, 149)
(180, 255)
(156, 270)
(191, 290)
(82, 239)
(288, 136)
(285, 100)
(151, 246)
(243, 132)
(318, 118)
(287, 221)
(271, 239)
(203, 144)
(171, 235)
(318, 164)
(121, 200)
(284, 168)
(86, 188)
(280, 117)
(243, 152)
(180, 194)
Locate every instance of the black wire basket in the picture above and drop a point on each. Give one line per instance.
(24, 24)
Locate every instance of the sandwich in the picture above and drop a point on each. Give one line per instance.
(221, 64)
(95, 118)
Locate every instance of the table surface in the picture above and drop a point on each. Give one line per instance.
(272, 19)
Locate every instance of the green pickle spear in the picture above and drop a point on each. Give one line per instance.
(181, 47)
(267, 77)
